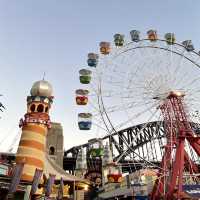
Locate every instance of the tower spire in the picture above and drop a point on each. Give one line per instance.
(44, 74)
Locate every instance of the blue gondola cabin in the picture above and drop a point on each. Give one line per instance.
(188, 45)
(85, 121)
(135, 35)
(85, 76)
(81, 97)
(92, 60)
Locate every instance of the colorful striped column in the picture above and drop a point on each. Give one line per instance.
(31, 149)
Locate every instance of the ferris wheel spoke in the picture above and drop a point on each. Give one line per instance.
(180, 61)
(136, 116)
(96, 123)
(192, 82)
(179, 80)
(192, 95)
(119, 107)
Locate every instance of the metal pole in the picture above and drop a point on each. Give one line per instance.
(74, 188)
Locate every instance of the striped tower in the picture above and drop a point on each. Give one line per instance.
(32, 145)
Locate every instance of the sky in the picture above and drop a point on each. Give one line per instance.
(54, 36)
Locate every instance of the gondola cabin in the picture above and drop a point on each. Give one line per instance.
(85, 76)
(85, 121)
(170, 38)
(96, 152)
(105, 48)
(152, 35)
(135, 35)
(188, 45)
(92, 60)
(96, 149)
(119, 40)
(114, 173)
(82, 97)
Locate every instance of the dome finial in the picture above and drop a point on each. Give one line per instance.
(44, 74)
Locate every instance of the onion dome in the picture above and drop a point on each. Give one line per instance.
(42, 88)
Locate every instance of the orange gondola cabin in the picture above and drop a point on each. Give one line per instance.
(105, 48)
(152, 35)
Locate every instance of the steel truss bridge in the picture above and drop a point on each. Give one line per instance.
(134, 147)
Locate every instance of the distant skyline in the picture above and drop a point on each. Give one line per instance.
(54, 37)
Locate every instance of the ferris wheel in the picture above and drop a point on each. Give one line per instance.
(145, 80)
(125, 84)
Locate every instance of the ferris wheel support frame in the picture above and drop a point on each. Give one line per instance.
(175, 140)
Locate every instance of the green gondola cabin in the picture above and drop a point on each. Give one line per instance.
(96, 149)
(96, 152)
(85, 76)
(119, 40)
(170, 38)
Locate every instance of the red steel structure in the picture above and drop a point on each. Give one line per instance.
(169, 184)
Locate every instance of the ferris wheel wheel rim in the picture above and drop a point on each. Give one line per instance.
(157, 47)
(121, 51)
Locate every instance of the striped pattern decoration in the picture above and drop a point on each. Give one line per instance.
(49, 185)
(36, 181)
(32, 149)
(16, 178)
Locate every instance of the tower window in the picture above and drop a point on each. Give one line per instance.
(40, 108)
(51, 151)
(32, 108)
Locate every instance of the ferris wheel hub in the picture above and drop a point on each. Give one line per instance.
(176, 94)
(170, 95)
